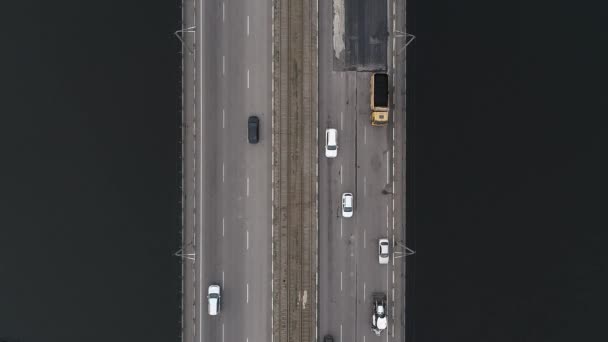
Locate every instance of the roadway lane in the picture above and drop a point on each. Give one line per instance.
(337, 268)
(337, 279)
(349, 271)
(375, 219)
(234, 240)
(336, 291)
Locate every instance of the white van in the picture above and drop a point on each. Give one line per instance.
(213, 297)
(331, 142)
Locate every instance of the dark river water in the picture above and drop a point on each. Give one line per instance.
(506, 171)
(89, 179)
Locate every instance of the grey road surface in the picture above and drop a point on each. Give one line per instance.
(227, 182)
(349, 271)
(233, 177)
(365, 34)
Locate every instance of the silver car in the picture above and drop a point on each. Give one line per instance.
(383, 255)
(331, 143)
(347, 204)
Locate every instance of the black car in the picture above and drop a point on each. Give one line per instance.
(328, 338)
(253, 129)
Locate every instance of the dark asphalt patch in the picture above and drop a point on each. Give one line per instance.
(365, 36)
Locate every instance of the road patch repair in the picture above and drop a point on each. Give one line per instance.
(360, 35)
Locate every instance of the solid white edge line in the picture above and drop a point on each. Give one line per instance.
(387, 280)
(316, 61)
(387, 168)
(272, 172)
(387, 217)
(393, 246)
(200, 171)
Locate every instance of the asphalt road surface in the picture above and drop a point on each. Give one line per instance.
(227, 181)
(234, 198)
(349, 271)
(363, 44)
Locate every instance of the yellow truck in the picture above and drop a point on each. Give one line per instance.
(379, 99)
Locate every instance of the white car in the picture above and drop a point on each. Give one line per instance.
(213, 297)
(383, 255)
(347, 204)
(331, 143)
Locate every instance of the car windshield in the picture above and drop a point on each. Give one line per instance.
(331, 148)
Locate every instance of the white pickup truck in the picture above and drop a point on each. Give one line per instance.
(379, 313)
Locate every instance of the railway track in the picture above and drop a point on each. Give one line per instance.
(294, 170)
